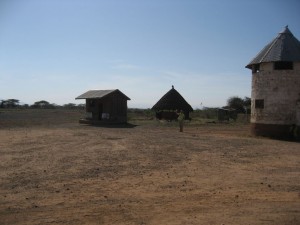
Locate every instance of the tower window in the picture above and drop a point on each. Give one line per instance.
(283, 66)
(259, 103)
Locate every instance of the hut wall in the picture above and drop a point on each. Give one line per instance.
(118, 108)
(115, 106)
(92, 106)
(274, 96)
(298, 114)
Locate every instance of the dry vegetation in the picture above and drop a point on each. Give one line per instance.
(56, 171)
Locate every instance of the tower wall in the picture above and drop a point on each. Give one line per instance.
(275, 100)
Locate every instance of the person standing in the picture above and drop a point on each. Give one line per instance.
(181, 120)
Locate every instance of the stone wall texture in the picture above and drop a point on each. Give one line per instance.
(280, 91)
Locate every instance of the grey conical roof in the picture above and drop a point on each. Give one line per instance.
(172, 100)
(98, 94)
(285, 47)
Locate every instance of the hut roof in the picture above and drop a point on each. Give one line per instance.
(97, 94)
(285, 47)
(172, 100)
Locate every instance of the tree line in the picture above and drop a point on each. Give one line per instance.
(241, 105)
(42, 104)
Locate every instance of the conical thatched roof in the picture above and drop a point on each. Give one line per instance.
(285, 47)
(172, 100)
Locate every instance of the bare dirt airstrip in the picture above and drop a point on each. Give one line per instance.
(56, 171)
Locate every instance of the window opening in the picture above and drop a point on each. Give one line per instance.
(283, 66)
(259, 103)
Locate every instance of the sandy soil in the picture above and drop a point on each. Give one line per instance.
(55, 171)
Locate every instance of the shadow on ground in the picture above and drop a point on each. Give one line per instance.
(122, 125)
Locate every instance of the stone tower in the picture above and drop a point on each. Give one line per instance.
(275, 97)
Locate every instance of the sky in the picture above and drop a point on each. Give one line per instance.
(55, 50)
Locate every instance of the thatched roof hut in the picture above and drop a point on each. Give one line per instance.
(173, 101)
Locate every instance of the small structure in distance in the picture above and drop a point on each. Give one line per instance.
(104, 106)
(170, 105)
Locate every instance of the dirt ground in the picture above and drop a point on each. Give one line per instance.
(56, 171)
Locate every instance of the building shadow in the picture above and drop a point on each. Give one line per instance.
(112, 125)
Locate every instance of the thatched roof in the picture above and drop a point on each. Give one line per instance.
(285, 48)
(172, 100)
(97, 94)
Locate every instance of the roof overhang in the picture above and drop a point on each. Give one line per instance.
(98, 94)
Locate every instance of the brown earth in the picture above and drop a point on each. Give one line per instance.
(56, 171)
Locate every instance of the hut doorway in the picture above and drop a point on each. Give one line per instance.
(100, 108)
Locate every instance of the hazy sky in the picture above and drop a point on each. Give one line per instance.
(55, 50)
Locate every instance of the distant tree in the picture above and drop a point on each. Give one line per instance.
(41, 104)
(69, 106)
(10, 103)
(54, 106)
(239, 104)
(2, 103)
(247, 102)
(81, 106)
